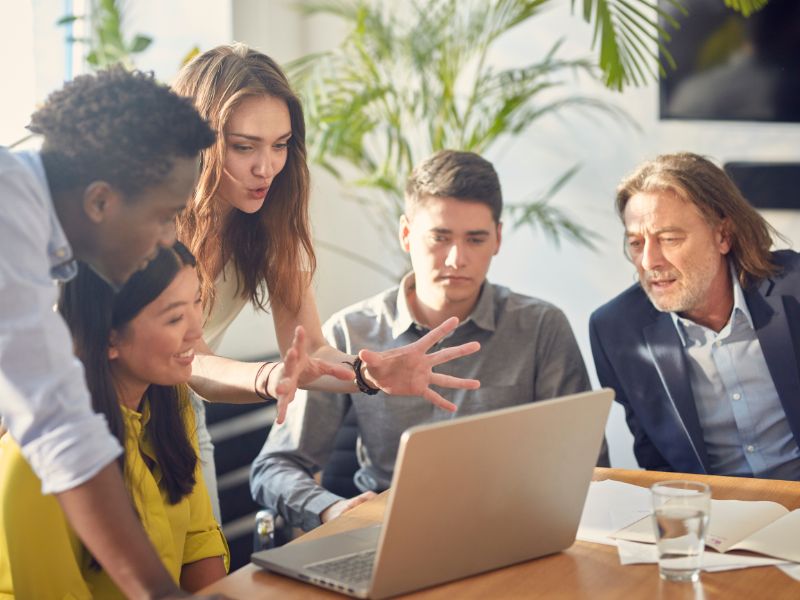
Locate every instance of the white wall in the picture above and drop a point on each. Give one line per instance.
(28, 80)
(176, 28)
(576, 279)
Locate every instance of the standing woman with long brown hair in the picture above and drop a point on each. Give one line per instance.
(248, 226)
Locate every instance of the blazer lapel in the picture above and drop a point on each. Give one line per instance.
(665, 346)
(774, 330)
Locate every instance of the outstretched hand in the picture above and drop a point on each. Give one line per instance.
(408, 371)
(298, 369)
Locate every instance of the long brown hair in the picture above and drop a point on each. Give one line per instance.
(271, 249)
(699, 181)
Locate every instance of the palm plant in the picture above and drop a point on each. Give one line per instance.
(106, 39)
(411, 79)
(625, 29)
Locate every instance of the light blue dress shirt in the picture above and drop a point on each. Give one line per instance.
(44, 401)
(744, 425)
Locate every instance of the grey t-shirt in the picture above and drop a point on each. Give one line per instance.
(528, 353)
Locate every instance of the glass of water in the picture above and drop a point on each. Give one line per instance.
(681, 511)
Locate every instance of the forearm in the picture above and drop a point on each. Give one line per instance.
(289, 489)
(327, 383)
(101, 513)
(197, 575)
(219, 379)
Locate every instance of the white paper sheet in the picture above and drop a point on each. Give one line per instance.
(633, 553)
(792, 570)
(610, 506)
(613, 505)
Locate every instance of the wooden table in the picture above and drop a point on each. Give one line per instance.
(585, 570)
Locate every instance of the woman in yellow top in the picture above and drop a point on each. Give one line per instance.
(137, 348)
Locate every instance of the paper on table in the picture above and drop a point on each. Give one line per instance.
(730, 522)
(613, 505)
(758, 526)
(792, 570)
(776, 539)
(610, 506)
(734, 520)
(631, 553)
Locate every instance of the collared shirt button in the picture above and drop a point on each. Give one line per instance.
(61, 253)
(737, 396)
(718, 343)
(750, 448)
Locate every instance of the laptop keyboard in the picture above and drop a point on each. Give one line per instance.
(352, 570)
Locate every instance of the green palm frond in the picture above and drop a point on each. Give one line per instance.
(746, 7)
(413, 78)
(106, 40)
(538, 213)
(627, 30)
(409, 81)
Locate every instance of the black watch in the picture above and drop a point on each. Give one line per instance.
(359, 380)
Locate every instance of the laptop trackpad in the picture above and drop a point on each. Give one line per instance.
(299, 554)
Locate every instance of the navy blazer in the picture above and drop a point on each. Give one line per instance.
(638, 353)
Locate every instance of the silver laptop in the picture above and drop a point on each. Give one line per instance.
(468, 495)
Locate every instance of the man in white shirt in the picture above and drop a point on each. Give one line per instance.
(119, 159)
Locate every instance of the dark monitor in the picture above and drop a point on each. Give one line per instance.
(767, 184)
(731, 67)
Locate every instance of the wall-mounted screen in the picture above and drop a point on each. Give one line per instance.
(731, 67)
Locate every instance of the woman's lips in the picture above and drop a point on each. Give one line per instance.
(186, 357)
(258, 193)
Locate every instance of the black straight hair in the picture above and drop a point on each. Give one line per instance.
(92, 311)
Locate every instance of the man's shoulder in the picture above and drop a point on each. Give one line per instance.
(373, 310)
(374, 306)
(630, 307)
(520, 313)
(19, 164)
(510, 301)
(785, 280)
(22, 184)
(788, 262)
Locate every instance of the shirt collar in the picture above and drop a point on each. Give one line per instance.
(483, 315)
(403, 318)
(134, 416)
(62, 262)
(740, 309)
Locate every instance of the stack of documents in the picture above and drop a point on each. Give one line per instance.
(618, 514)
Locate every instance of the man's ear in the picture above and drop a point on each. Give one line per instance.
(100, 201)
(404, 232)
(499, 237)
(723, 235)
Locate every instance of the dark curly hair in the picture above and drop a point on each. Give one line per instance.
(119, 126)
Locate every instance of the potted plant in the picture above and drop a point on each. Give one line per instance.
(412, 78)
